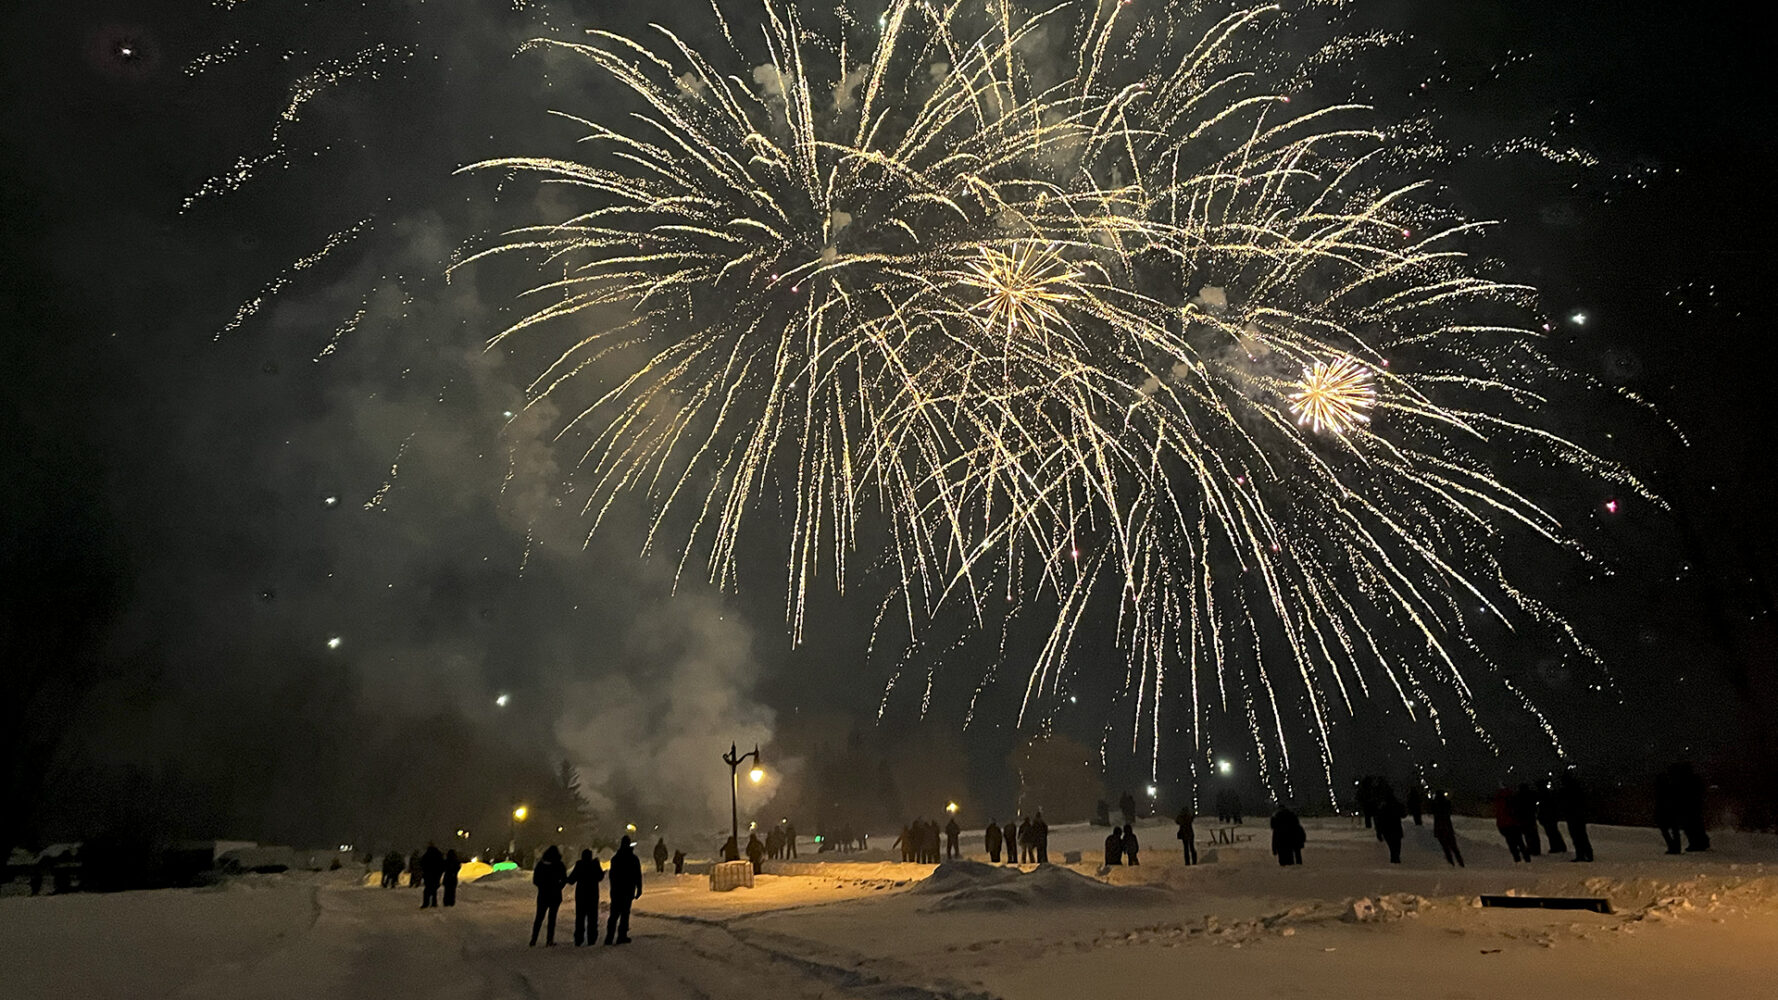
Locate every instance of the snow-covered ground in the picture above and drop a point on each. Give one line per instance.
(1346, 924)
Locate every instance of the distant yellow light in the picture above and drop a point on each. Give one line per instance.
(520, 813)
(757, 774)
(951, 807)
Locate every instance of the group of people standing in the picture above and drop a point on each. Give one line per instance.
(1679, 809)
(551, 876)
(1122, 847)
(1026, 842)
(919, 841)
(431, 869)
(1518, 814)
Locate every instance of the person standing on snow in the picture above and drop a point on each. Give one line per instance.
(1114, 847)
(1024, 840)
(549, 876)
(1443, 831)
(432, 867)
(679, 862)
(1574, 808)
(1503, 821)
(991, 841)
(1524, 808)
(756, 853)
(1040, 836)
(1287, 837)
(626, 888)
(452, 866)
(1388, 822)
(952, 832)
(1131, 846)
(585, 879)
(1549, 814)
(1188, 840)
(660, 855)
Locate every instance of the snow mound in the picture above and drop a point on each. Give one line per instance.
(955, 875)
(1047, 886)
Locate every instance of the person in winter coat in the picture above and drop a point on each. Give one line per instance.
(432, 866)
(452, 866)
(1549, 815)
(585, 879)
(626, 888)
(731, 850)
(1040, 838)
(1114, 846)
(790, 840)
(392, 866)
(1126, 805)
(549, 876)
(1417, 802)
(1692, 789)
(991, 840)
(1573, 796)
(1508, 827)
(660, 855)
(1524, 807)
(1187, 838)
(1026, 851)
(1388, 822)
(1131, 845)
(413, 869)
(1287, 837)
(952, 832)
(1443, 831)
(679, 862)
(774, 844)
(756, 853)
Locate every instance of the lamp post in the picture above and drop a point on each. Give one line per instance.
(512, 830)
(733, 760)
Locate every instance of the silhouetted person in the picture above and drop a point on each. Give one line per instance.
(1667, 809)
(549, 876)
(790, 839)
(1126, 804)
(1574, 809)
(731, 849)
(1131, 845)
(585, 879)
(626, 888)
(1691, 790)
(1367, 800)
(1388, 823)
(413, 869)
(1287, 837)
(1040, 836)
(679, 862)
(756, 853)
(1549, 816)
(1417, 802)
(1524, 808)
(432, 867)
(452, 866)
(392, 867)
(1507, 824)
(1114, 846)
(1234, 807)
(991, 841)
(952, 832)
(1188, 840)
(1443, 831)
(1026, 853)
(660, 855)
(774, 843)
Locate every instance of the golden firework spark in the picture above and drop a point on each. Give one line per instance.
(782, 271)
(1336, 397)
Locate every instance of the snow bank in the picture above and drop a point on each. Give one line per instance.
(971, 885)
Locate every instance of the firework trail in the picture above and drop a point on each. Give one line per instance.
(1082, 309)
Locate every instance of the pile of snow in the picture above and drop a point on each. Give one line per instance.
(971, 885)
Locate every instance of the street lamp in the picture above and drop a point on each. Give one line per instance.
(733, 759)
(1224, 766)
(512, 830)
(951, 807)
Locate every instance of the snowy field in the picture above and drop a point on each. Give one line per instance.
(1347, 924)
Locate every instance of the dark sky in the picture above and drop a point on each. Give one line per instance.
(200, 495)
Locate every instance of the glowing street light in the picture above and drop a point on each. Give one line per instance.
(733, 759)
(1224, 767)
(512, 829)
(951, 807)
(1153, 791)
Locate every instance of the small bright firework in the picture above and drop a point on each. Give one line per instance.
(1024, 289)
(1334, 397)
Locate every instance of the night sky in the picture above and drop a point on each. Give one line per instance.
(268, 567)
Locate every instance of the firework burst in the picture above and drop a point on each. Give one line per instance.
(1000, 281)
(1336, 397)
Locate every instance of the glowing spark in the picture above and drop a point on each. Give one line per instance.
(1334, 397)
